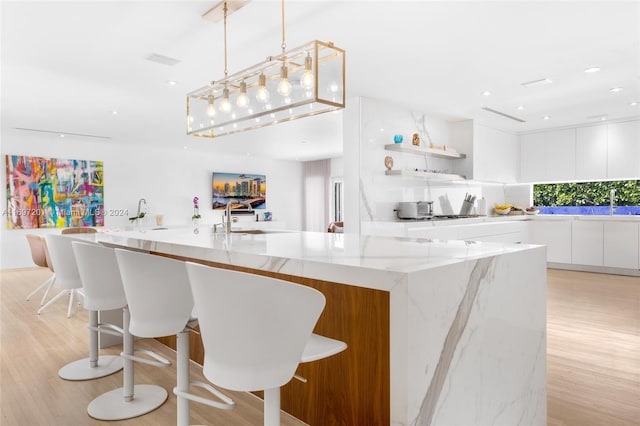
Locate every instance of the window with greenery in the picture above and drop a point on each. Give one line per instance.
(588, 198)
(587, 193)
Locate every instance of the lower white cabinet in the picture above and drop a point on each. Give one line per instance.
(556, 235)
(587, 243)
(621, 245)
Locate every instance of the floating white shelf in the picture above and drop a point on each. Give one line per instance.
(426, 175)
(438, 153)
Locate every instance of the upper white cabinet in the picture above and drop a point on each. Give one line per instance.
(495, 155)
(533, 157)
(623, 160)
(561, 154)
(492, 154)
(610, 151)
(591, 152)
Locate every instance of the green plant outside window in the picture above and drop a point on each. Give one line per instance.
(587, 193)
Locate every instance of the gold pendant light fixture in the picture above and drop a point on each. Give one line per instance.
(301, 82)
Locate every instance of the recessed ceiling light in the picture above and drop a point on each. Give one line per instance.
(603, 118)
(592, 69)
(546, 117)
(539, 82)
(172, 82)
(62, 135)
(382, 129)
(486, 93)
(520, 107)
(114, 112)
(616, 89)
(185, 147)
(634, 103)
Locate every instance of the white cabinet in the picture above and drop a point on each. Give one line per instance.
(556, 235)
(533, 158)
(561, 155)
(587, 243)
(548, 156)
(623, 159)
(621, 245)
(495, 155)
(610, 151)
(591, 152)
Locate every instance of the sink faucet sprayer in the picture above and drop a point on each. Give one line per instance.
(612, 200)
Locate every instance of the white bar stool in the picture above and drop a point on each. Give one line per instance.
(98, 266)
(64, 265)
(98, 296)
(255, 331)
(161, 304)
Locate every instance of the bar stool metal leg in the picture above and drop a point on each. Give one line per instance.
(272, 407)
(183, 381)
(131, 400)
(93, 367)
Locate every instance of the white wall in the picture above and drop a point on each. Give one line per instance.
(167, 179)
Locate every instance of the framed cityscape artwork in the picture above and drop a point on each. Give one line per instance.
(240, 189)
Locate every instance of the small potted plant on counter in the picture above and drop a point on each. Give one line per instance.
(196, 212)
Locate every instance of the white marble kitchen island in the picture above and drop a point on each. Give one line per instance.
(464, 331)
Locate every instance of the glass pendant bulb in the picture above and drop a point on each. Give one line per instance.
(263, 93)
(243, 100)
(284, 87)
(307, 81)
(225, 106)
(211, 109)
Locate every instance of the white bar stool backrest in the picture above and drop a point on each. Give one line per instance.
(98, 268)
(158, 293)
(254, 328)
(64, 261)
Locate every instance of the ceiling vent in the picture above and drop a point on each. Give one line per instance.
(504, 114)
(535, 83)
(161, 59)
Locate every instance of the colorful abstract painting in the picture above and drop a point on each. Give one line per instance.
(53, 193)
(239, 189)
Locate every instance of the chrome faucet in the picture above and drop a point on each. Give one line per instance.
(140, 201)
(612, 200)
(227, 222)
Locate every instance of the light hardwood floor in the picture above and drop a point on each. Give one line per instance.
(33, 348)
(593, 359)
(593, 349)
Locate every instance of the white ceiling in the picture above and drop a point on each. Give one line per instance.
(67, 65)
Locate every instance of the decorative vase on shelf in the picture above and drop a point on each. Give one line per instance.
(398, 138)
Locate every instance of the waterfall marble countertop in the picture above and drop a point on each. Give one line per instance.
(466, 320)
(366, 261)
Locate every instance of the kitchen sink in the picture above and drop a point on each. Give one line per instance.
(255, 231)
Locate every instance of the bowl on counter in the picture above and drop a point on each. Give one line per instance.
(532, 212)
(503, 211)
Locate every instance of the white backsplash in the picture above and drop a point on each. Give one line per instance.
(379, 194)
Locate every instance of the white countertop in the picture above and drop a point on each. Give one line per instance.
(367, 261)
(511, 218)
